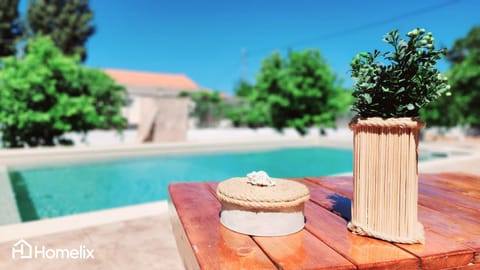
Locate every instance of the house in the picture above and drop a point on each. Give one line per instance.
(140, 85)
(154, 106)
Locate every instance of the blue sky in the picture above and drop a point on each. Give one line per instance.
(204, 39)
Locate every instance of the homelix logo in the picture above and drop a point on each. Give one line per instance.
(23, 250)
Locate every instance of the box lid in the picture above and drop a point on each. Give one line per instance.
(285, 193)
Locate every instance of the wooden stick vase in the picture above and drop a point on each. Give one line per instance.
(385, 176)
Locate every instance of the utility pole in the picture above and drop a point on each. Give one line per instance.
(244, 64)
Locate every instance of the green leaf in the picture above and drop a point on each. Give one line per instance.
(399, 91)
(367, 98)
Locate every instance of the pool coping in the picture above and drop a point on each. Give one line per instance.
(30, 229)
(8, 211)
(24, 158)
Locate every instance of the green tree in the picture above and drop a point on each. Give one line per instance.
(243, 88)
(245, 110)
(208, 107)
(441, 113)
(463, 106)
(67, 22)
(10, 29)
(465, 80)
(244, 113)
(464, 46)
(45, 94)
(300, 91)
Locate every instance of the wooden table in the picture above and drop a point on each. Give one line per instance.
(449, 208)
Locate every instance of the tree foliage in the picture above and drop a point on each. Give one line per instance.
(243, 88)
(404, 85)
(208, 107)
(298, 91)
(45, 94)
(238, 111)
(10, 29)
(463, 107)
(245, 113)
(465, 78)
(67, 22)
(464, 46)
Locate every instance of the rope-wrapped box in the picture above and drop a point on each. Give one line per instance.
(262, 210)
(385, 176)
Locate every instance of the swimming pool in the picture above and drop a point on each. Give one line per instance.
(62, 190)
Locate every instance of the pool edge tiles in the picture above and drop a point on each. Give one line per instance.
(39, 157)
(9, 213)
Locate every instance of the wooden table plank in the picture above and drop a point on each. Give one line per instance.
(364, 252)
(460, 176)
(214, 246)
(465, 267)
(339, 185)
(299, 251)
(459, 182)
(438, 251)
(302, 250)
(461, 231)
(449, 196)
(453, 210)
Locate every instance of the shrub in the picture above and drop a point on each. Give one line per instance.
(407, 81)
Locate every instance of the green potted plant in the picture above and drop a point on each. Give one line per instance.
(388, 96)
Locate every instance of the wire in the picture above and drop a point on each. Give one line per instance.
(348, 31)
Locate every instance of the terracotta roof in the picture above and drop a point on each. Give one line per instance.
(143, 79)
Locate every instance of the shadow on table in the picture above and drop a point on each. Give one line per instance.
(341, 205)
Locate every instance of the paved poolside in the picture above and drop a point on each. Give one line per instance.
(140, 236)
(456, 163)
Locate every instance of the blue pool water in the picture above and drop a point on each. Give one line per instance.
(62, 190)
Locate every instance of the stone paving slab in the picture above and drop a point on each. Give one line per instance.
(143, 243)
